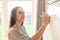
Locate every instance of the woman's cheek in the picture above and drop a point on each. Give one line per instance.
(18, 18)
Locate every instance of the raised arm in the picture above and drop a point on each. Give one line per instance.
(40, 32)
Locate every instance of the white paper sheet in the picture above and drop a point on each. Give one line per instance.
(55, 27)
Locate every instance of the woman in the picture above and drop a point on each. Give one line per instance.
(17, 30)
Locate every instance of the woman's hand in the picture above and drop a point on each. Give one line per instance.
(45, 17)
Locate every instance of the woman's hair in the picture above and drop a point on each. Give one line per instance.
(13, 16)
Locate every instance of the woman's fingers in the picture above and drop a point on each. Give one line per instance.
(45, 17)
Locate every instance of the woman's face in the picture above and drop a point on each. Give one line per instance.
(20, 14)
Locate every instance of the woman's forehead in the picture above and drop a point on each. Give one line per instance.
(20, 9)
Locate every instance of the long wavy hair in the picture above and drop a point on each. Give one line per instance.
(13, 17)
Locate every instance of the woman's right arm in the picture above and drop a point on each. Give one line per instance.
(40, 32)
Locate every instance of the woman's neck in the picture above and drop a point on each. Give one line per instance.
(18, 23)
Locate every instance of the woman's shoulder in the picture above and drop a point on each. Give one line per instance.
(12, 29)
(16, 29)
(13, 32)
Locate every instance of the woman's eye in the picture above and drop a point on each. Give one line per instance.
(20, 13)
